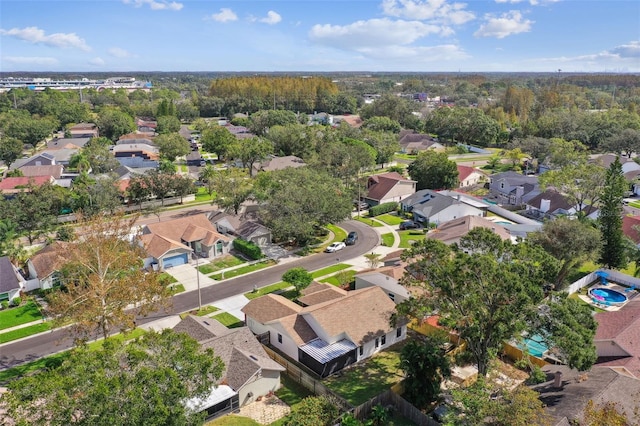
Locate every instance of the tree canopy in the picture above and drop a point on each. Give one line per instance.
(613, 253)
(433, 170)
(172, 146)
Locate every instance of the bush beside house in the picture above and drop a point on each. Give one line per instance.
(248, 248)
(383, 208)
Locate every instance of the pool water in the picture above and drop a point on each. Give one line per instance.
(535, 345)
(607, 295)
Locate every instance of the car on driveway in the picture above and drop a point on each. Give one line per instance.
(409, 224)
(334, 247)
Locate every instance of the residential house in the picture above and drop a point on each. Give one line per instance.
(278, 163)
(135, 138)
(430, 207)
(146, 126)
(39, 159)
(513, 188)
(317, 292)
(452, 231)
(352, 120)
(53, 170)
(84, 130)
(413, 143)
(44, 266)
(171, 243)
(388, 187)
(248, 372)
(551, 204)
(387, 278)
(68, 143)
(469, 176)
(327, 336)
(566, 392)
(628, 165)
(240, 132)
(244, 225)
(61, 155)
(631, 228)
(13, 185)
(11, 282)
(136, 155)
(617, 339)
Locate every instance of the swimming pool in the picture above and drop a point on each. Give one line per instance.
(535, 345)
(607, 296)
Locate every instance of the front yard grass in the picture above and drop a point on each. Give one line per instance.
(24, 332)
(177, 288)
(166, 279)
(266, 290)
(203, 195)
(388, 239)
(390, 219)
(329, 270)
(243, 270)
(335, 279)
(206, 310)
(228, 320)
(362, 382)
(19, 315)
(409, 237)
(368, 221)
(339, 234)
(227, 261)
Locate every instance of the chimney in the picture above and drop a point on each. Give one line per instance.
(557, 380)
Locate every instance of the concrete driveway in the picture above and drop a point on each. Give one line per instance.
(188, 276)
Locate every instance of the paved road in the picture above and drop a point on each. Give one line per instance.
(45, 344)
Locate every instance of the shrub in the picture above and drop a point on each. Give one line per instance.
(5, 304)
(16, 301)
(537, 375)
(248, 248)
(383, 208)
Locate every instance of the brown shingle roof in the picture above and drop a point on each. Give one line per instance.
(622, 327)
(629, 225)
(157, 245)
(50, 259)
(380, 185)
(556, 200)
(270, 307)
(52, 170)
(190, 228)
(298, 329)
(320, 293)
(457, 228)
(201, 328)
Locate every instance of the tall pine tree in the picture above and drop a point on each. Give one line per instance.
(613, 253)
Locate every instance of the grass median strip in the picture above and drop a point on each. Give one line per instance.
(368, 221)
(329, 270)
(339, 234)
(266, 290)
(243, 270)
(24, 332)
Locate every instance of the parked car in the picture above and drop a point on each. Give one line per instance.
(409, 224)
(360, 205)
(334, 247)
(352, 238)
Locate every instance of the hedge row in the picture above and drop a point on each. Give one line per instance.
(248, 248)
(383, 208)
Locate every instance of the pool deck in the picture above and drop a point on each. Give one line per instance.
(613, 286)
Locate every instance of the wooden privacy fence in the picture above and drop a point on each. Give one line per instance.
(298, 375)
(401, 405)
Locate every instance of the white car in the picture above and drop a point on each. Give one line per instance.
(334, 247)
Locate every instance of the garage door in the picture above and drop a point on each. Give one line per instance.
(180, 259)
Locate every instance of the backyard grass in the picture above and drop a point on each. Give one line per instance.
(362, 382)
(24, 332)
(335, 279)
(227, 261)
(243, 270)
(266, 290)
(407, 238)
(228, 320)
(575, 296)
(291, 393)
(19, 315)
(329, 270)
(388, 239)
(390, 219)
(339, 234)
(368, 221)
(232, 420)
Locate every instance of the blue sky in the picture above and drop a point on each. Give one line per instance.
(320, 35)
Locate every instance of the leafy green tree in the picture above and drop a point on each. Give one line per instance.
(313, 411)
(183, 185)
(489, 300)
(463, 125)
(292, 139)
(143, 382)
(207, 176)
(172, 146)
(232, 188)
(100, 159)
(32, 211)
(114, 123)
(160, 184)
(30, 129)
(249, 151)
(261, 121)
(610, 219)
(433, 170)
(300, 278)
(572, 242)
(515, 156)
(390, 106)
(10, 150)
(139, 190)
(382, 124)
(608, 413)
(581, 184)
(385, 144)
(168, 124)
(80, 162)
(102, 279)
(217, 139)
(626, 142)
(167, 166)
(425, 366)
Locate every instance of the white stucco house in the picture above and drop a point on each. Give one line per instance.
(430, 207)
(387, 278)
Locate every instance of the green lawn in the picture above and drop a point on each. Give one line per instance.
(28, 312)
(177, 288)
(333, 280)
(228, 320)
(166, 278)
(232, 420)
(329, 270)
(206, 310)
(339, 234)
(368, 221)
(24, 332)
(390, 219)
(635, 204)
(266, 290)
(388, 239)
(244, 270)
(291, 393)
(227, 261)
(203, 195)
(364, 381)
(408, 237)
(577, 297)
(404, 156)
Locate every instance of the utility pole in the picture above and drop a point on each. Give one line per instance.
(198, 281)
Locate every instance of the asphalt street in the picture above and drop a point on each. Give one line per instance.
(44, 344)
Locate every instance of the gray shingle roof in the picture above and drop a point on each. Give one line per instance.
(8, 278)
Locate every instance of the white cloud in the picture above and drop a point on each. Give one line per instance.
(502, 26)
(374, 33)
(272, 18)
(631, 50)
(622, 58)
(531, 2)
(156, 4)
(445, 52)
(225, 15)
(97, 61)
(37, 36)
(118, 52)
(437, 11)
(30, 60)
